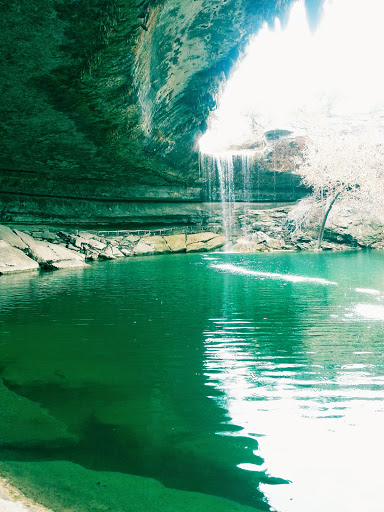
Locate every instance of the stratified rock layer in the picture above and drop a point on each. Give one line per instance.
(103, 102)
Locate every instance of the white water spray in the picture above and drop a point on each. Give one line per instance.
(219, 171)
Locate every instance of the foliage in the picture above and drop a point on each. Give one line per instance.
(343, 166)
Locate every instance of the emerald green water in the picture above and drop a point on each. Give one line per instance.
(255, 378)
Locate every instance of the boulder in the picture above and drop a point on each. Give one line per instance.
(86, 235)
(143, 249)
(48, 236)
(260, 237)
(157, 242)
(215, 243)
(96, 244)
(275, 244)
(14, 260)
(9, 236)
(200, 237)
(91, 255)
(78, 241)
(117, 252)
(51, 256)
(244, 245)
(125, 251)
(107, 254)
(131, 239)
(177, 243)
(360, 231)
(209, 245)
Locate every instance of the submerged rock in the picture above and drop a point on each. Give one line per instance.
(63, 485)
(14, 260)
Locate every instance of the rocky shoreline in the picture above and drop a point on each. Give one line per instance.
(13, 500)
(24, 251)
(265, 231)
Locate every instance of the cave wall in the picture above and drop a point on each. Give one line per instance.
(106, 99)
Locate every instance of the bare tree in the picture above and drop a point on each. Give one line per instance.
(341, 166)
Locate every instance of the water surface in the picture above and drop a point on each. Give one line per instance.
(257, 378)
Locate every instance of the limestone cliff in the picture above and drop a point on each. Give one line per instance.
(106, 99)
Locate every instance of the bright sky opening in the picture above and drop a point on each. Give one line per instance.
(292, 76)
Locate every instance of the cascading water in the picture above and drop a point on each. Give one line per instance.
(218, 170)
(321, 92)
(247, 196)
(224, 165)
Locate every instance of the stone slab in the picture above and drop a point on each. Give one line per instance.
(177, 243)
(13, 260)
(9, 236)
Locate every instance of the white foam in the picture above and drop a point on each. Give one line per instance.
(272, 275)
(369, 291)
(370, 311)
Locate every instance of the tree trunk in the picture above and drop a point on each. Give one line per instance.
(322, 228)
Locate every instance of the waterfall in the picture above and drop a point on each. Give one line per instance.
(225, 170)
(221, 171)
(247, 196)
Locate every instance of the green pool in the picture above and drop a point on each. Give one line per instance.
(196, 383)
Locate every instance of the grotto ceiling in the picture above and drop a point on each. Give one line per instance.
(105, 96)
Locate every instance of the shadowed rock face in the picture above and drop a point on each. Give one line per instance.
(113, 94)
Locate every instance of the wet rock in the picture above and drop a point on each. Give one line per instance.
(14, 260)
(177, 243)
(327, 246)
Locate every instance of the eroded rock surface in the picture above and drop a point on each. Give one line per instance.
(103, 102)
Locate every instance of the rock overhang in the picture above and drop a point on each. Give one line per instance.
(115, 93)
